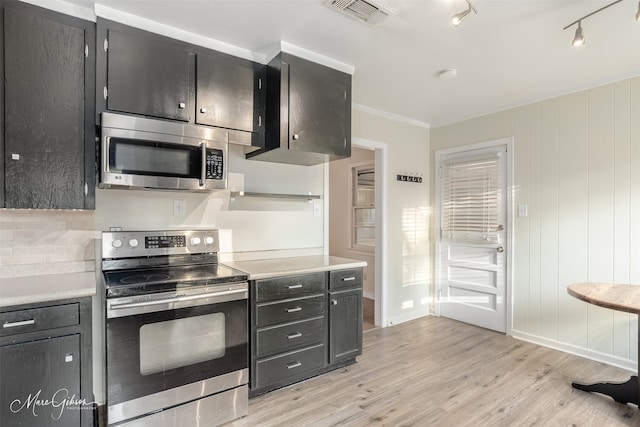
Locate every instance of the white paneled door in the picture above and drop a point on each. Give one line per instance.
(472, 239)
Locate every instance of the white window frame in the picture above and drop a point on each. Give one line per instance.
(352, 207)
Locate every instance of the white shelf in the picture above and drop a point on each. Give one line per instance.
(302, 197)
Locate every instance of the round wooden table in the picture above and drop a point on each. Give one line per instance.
(617, 297)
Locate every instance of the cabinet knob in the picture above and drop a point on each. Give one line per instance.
(182, 105)
(334, 302)
(295, 136)
(203, 110)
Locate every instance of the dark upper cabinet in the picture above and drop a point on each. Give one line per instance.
(308, 113)
(48, 133)
(147, 76)
(229, 93)
(143, 73)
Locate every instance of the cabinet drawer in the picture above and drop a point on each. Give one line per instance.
(342, 279)
(289, 310)
(39, 319)
(296, 363)
(290, 286)
(279, 339)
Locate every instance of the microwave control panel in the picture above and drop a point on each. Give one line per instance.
(215, 164)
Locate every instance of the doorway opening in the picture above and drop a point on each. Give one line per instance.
(356, 220)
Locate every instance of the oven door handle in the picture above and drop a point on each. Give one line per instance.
(177, 299)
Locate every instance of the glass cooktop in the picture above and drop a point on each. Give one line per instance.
(162, 279)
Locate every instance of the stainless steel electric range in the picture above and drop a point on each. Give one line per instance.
(176, 330)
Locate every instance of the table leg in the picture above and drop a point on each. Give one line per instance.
(626, 392)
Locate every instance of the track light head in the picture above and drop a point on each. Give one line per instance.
(638, 13)
(578, 38)
(459, 17)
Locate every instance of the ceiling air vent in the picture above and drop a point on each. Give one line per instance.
(365, 11)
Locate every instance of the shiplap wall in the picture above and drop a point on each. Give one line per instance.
(577, 167)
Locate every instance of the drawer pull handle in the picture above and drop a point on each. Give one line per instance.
(298, 286)
(20, 323)
(348, 279)
(293, 310)
(294, 335)
(293, 365)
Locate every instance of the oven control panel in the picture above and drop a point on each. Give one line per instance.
(124, 244)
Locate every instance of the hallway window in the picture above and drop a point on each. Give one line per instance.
(363, 215)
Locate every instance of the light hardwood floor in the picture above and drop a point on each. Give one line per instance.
(368, 316)
(438, 372)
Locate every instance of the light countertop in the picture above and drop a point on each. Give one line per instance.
(52, 287)
(267, 268)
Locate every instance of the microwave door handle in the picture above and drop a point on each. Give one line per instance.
(203, 171)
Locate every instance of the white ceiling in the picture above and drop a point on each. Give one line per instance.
(511, 53)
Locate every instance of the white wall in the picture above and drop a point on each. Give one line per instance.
(340, 187)
(577, 167)
(247, 225)
(407, 275)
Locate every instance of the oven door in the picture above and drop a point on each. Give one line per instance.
(165, 351)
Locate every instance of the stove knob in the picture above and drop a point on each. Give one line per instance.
(133, 243)
(195, 241)
(208, 240)
(116, 243)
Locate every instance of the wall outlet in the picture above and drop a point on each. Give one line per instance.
(178, 207)
(317, 209)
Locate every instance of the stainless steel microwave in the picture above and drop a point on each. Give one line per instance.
(145, 153)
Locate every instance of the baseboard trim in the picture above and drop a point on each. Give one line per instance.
(628, 364)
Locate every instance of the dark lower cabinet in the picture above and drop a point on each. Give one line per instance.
(38, 378)
(345, 314)
(48, 135)
(303, 325)
(46, 365)
(345, 325)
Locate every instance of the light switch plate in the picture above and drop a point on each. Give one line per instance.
(523, 211)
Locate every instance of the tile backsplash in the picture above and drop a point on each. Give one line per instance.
(39, 242)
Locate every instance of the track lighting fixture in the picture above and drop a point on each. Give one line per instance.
(638, 13)
(459, 17)
(578, 38)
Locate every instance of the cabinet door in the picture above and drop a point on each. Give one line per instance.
(45, 103)
(228, 93)
(41, 383)
(345, 325)
(146, 76)
(319, 108)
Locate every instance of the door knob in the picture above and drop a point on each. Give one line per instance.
(500, 249)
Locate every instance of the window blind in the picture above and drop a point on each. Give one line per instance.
(471, 199)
